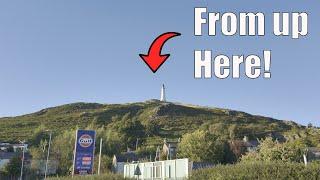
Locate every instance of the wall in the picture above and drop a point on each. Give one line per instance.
(170, 169)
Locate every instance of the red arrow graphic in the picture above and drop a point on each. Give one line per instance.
(154, 59)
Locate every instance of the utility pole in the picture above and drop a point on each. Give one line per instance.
(22, 160)
(45, 173)
(137, 142)
(100, 156)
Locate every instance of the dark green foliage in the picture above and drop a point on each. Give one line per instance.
(120, 125)
(201, 146)
(13, 168)
(128, 128)
(260, 170)
(151, 118)
(62, 150)
(270, 150)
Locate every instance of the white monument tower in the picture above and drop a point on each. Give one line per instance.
(163, 94)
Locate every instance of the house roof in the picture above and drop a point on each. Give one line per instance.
(314, 150)
(253, 143)
(7, 155)
(127, 157)
(201, 165)
(172, 145)
(12, 145)
(10, 155)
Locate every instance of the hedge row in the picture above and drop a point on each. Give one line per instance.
(107, 176)
(260, 170)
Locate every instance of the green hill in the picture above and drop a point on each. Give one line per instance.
(151, 120)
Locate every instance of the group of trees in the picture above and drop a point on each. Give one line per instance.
(63, 143)
(216, 143)
(202, 146)
(272, 150)
(121, 133)
(12, 169)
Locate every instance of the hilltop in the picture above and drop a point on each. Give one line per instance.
(152, 119)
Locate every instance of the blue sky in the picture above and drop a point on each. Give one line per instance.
(58, 52)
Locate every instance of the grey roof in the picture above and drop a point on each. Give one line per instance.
(127, 157)
(201, 165)
(10, 155)
(313, 149)
(7, 155)
(253, 143)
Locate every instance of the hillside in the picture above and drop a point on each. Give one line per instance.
(156, 120)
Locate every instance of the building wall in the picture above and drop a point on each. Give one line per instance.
(119, 167)
(170, 169)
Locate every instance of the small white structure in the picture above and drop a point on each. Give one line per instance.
(170, 169)
(163, 94)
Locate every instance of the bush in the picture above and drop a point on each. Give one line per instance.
(260, 170)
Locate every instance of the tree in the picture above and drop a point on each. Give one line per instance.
(201, 146)
(13, 167)
(270, 150)
(112, 142)
(218, 129)
(39, 152)
(233, 131)
(62, 150)
(38, 135)
(237, 147)
(105, 166)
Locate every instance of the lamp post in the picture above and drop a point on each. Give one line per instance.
(45, 172)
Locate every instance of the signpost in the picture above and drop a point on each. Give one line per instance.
(84, 152)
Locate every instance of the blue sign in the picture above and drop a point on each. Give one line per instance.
(84, 153)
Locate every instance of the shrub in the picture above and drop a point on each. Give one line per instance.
(260, 170)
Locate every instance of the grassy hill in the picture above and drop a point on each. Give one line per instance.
(167, 120)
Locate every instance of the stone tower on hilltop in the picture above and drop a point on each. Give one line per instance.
(163, 94)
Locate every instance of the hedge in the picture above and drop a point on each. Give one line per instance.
(260, 170)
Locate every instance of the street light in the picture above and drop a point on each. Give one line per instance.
(45, 172)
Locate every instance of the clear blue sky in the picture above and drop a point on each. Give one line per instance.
(63, 51)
